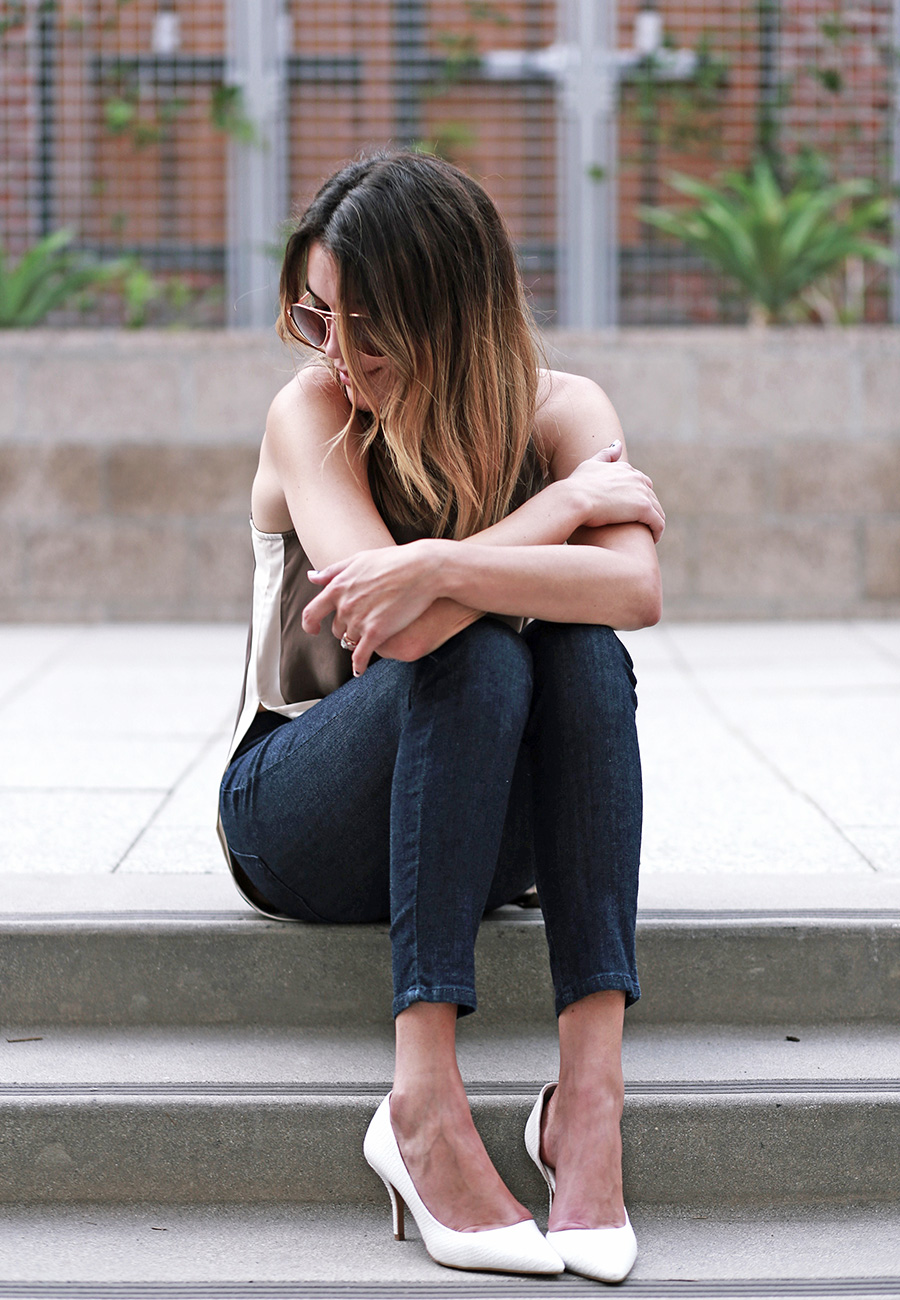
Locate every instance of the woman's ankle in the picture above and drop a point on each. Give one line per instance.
(414, 1105)
(574, 1113)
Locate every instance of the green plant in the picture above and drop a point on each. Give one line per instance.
(12, 16)
(139, 289)
(777, 240)
(148, 299)
(49, 275)
(228, 114)
(460, 58)
(122, 116)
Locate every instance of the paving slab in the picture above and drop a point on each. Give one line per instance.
(817, 705)
(181, 836)
(44, 830)
(91, 763)
(713, 805)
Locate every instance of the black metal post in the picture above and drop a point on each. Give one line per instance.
(409, 67)
(46, 96)
(769, 86)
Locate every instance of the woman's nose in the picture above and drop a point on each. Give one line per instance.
(332, 347)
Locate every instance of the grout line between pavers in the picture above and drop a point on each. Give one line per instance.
(874, 644)
(215, 739)
(50, 662)
(733, 729)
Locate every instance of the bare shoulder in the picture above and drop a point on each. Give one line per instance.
(310, 403)
(574, 415)
(304, 418)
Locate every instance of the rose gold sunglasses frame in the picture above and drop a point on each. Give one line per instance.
(327, 317)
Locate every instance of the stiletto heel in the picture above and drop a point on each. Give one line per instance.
(604, 1254)
(398, 1208)
(519, 1248)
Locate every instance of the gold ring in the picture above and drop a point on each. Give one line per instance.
(347, 644)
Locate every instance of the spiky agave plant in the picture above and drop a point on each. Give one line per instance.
(776, 242)
(47, 276)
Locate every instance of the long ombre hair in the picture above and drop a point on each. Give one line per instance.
(421, 250)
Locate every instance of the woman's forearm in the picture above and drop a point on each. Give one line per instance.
(499, 570)
(565, 584)
(550, 517)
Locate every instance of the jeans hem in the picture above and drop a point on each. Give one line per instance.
(599, 984)
(464, 998)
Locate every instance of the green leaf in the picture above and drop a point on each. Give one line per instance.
(227, 113)
(831, 79)
(777, 240)
(47, 276)
(119, 115)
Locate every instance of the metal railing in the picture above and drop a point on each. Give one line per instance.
(181, 136)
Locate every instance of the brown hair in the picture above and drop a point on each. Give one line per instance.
(423, 252)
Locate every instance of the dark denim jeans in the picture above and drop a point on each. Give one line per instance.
(433, 791)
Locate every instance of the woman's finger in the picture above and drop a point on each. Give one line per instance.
(363, 652)
(321, 577)
(657, 525)
(610, 453)
(317, 609)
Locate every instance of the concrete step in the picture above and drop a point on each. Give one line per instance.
(142, 967)
(37, 1056)
(712, 1117)
(291, 1252)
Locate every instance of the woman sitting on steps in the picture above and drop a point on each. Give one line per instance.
(426, 487)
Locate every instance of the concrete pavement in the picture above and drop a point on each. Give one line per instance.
(769, 749)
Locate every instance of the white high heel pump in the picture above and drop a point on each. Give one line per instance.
(605, 1254)
(519, 1248)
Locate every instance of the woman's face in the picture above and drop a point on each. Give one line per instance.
(322, 282)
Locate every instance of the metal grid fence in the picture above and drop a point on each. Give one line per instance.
(180, 136)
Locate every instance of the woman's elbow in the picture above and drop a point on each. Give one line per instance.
(644, 601)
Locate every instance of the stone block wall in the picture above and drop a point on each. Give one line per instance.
(126, 462)
(776, 455)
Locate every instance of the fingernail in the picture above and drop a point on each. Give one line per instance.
(312, 573)
(614, 444)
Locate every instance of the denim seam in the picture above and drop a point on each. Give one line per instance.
(271, 767)
(286, 887)
(419, 803)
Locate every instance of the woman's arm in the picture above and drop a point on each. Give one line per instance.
(598, 489)
(323, 493)
(609, 575)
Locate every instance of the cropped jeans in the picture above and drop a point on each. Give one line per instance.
(431, 792)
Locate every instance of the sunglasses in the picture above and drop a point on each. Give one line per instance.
(313, 324)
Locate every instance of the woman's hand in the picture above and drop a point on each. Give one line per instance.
(375, 595)
(614, 492)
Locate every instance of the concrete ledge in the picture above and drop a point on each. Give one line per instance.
(673, 892)
(175, 969)
(126, 461)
